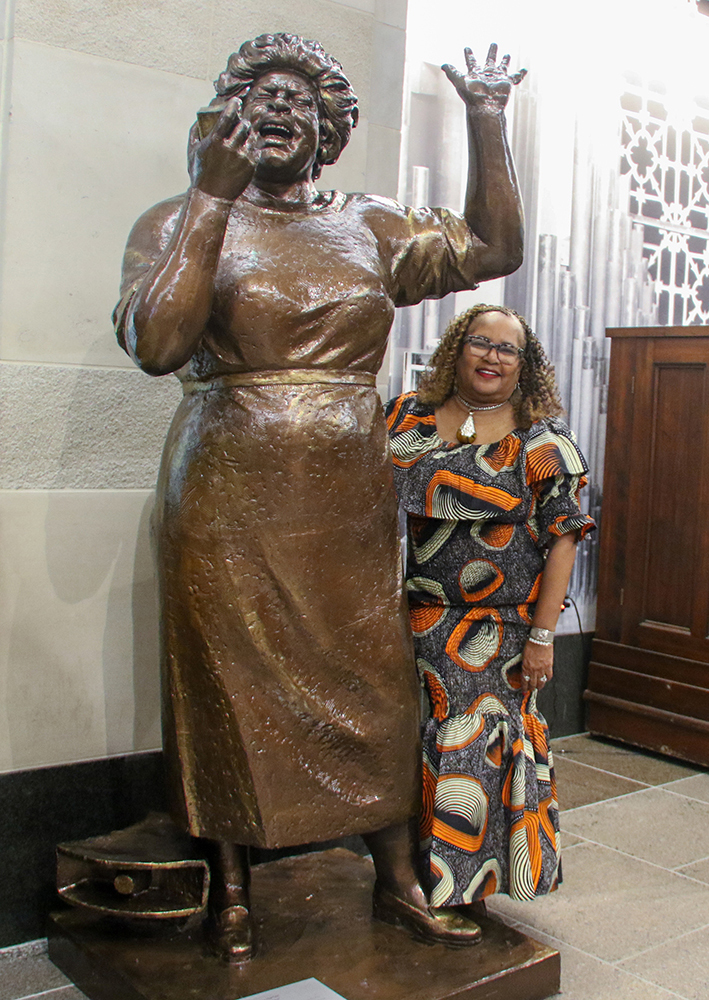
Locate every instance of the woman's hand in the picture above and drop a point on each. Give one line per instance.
(222, 163)
(486, 87)
(537, 666)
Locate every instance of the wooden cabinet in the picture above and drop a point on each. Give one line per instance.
(649, 675)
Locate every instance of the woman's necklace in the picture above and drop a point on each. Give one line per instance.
(466, 433)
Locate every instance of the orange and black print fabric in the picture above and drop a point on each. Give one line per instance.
(479, 520)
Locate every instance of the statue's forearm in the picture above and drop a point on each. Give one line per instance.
(172, 305)
(493, 206)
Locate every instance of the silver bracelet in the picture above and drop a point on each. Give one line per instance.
(541, 636)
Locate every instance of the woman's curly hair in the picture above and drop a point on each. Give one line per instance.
(337, 102)
(536, 396)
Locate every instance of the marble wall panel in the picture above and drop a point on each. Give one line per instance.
(194, 37)
(91, 144)
(78, 627)
(388, 54)
(383, 160)
(6, 13)
(68, 427)
(392, 12)
(369, 6)
(350, 171)
(172, 36)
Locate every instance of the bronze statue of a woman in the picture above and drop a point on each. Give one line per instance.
(290, 697)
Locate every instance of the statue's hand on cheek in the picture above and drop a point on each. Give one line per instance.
(222, 164)
(484, 87)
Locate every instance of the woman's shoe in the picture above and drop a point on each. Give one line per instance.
(229, 934)
(433, 925)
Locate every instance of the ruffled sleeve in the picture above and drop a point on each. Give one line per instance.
(427, 252)
(411, 429)
(556, 473)
(412, 435)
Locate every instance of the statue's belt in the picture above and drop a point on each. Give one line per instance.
(285, 376)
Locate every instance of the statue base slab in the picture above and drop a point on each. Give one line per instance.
(313, 919)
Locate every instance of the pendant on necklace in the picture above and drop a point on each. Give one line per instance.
(466, 433)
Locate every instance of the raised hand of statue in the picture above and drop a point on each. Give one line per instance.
(488, 86)
(222, 164)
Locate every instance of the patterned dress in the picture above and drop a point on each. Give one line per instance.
(479, 520)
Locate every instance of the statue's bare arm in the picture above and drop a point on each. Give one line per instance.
(173, 301)
(493, 207)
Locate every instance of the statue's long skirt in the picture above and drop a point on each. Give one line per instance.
(290, 702)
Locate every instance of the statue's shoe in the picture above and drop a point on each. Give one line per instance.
(229, 934)
(433, 925)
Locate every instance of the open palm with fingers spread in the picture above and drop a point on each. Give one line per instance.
(487, 86)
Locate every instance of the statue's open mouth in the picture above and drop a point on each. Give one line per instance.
(272, 130)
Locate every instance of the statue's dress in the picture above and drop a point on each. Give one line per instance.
(290, 704)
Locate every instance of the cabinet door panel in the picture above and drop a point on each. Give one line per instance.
(674, 491)
(668, 597)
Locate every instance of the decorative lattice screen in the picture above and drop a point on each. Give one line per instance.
(665, 158)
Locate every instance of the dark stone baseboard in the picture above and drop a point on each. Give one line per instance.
(561, 703)
(42, 807)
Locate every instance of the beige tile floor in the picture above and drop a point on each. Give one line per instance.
(632, 918)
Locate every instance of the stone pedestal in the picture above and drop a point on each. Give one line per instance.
(313, 919)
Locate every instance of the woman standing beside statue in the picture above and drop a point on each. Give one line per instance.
(290, 705)
(489, 477)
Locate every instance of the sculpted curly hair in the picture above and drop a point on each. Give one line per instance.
(537, 395)
(337, 102)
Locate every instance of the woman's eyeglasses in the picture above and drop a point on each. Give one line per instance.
(507, 353)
